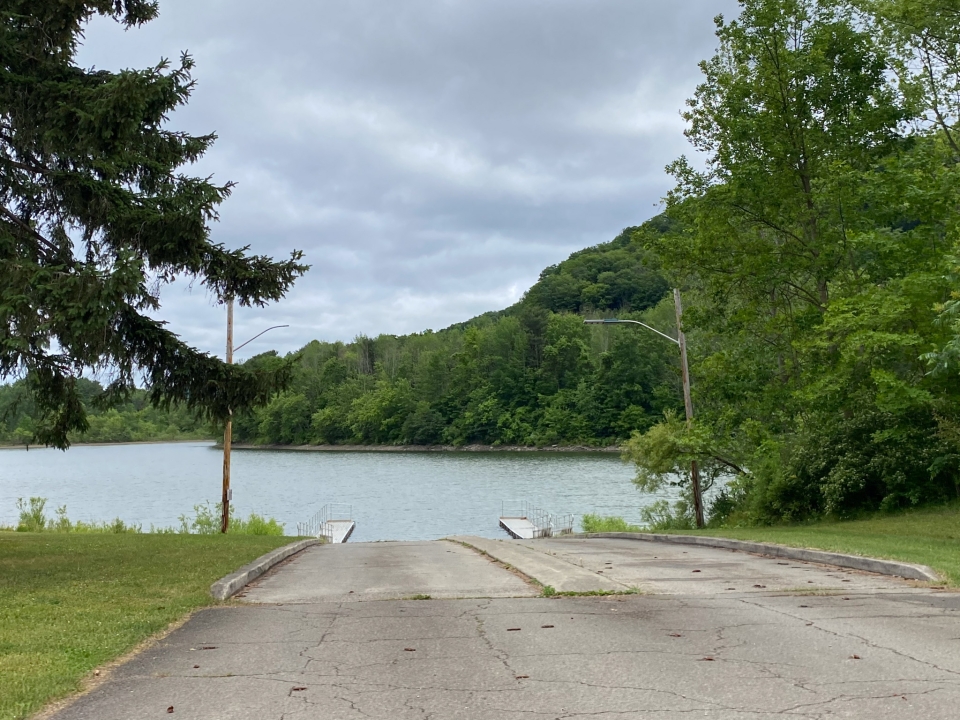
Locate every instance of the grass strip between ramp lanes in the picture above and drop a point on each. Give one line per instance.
(72, 602)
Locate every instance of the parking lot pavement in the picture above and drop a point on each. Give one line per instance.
(876, 649)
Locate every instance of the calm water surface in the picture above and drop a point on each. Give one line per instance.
(395, 496)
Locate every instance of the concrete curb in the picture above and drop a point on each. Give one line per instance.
(855, 562)
(229, 585)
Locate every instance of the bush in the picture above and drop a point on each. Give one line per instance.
(596, 523)
(659, 517)
(256, 525)
(842, 467)
(205, 521)
(32, 518)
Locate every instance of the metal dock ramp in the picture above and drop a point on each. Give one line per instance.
(519, 528)
(524, 521)
(333, 522)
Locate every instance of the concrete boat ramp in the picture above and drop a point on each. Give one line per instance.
(463, 629)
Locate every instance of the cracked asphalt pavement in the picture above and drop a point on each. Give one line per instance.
(810, 642)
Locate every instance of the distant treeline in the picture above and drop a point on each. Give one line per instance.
(132, 421)
(532, 374)
(529, 375)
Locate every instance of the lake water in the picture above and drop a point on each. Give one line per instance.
(395, 496)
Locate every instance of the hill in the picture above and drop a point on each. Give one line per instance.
(531, 374)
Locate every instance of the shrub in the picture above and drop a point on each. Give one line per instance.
(205, 521)
(660, 517)
(32, 517)
(596, 523)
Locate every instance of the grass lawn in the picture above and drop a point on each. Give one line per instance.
(70, 602)
(929, 537)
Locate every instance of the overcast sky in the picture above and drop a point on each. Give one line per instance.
(429, 157)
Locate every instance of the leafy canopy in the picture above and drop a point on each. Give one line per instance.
(816, 248)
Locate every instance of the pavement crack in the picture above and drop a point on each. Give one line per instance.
(853, 698)
(498, 653)
(853, 636)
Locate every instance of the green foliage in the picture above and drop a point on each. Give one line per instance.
(204, 521)
(596, 523)
(96, 215)
(590, 593)
(32, 517)
(134, 420)
(816, 251)
(525, 376)
(663, 456)
(622, 277)
(662, 517)
(926, 36)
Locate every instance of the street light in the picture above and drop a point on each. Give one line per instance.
(228, 429)
(681, 342)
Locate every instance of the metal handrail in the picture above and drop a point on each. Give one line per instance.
(542, 521)
(562, 524)
(319, 524)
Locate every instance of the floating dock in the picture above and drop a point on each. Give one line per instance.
(525, 521)
(519, 528)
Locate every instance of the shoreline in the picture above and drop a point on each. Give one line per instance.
(578, 449)
(107, 444)
(474, 448)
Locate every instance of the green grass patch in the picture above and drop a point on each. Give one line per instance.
(588, 593)
(550, 591)
(928, 536)
(70, 602)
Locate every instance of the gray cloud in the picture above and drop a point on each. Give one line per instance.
(429, 157)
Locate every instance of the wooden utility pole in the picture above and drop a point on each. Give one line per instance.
(688, 406)
(228, 429)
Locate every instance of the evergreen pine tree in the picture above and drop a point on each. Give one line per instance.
(96, 215)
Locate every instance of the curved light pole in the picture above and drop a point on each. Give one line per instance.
(681, 342)
(228, 428)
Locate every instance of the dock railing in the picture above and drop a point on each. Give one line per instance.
(541, 520)
(320, 524)
(562, 524)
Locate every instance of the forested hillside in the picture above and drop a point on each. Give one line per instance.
(532, 374)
